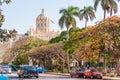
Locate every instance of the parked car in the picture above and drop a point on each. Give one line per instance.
(92, 73)
(41, 69)
(15, 68)
(80, 72)
(28, 71)
(77, 72)
(5, 68)
(73, 72)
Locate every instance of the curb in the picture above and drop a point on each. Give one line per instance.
(63, 74)
(111, 78)
(67, 74)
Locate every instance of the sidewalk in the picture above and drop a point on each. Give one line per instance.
(110, 78)
(63, 74)
(67, 74)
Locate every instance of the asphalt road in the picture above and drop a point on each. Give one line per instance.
(14, 76)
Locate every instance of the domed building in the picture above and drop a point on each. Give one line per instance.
(43, 28)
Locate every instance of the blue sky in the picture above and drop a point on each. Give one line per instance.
(21, 14)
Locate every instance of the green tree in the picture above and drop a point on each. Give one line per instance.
(12, 33)
(2, 18)
(3, 35)
(114, 7)
(20, 48)
(87, 13)
(46, 54)
(59, 38)
(62, 35)
(4, 1)
(97, 42)
(107, 6)
(68, 19)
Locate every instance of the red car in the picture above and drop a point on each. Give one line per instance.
(77, 72)
(92, 73)
(73, 72)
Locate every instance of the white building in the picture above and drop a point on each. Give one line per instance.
(43, 28)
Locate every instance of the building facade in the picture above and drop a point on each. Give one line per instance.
(42, 30)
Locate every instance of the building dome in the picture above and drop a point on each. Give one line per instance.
(42, 22)
(42, 27)
(42, 15)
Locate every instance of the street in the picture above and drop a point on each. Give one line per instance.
(14, 76)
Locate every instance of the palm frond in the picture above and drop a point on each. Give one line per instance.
(96, 2)
(61, 22)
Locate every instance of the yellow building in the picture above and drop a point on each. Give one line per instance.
(43, 28)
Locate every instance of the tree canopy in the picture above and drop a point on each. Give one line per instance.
(93, 42)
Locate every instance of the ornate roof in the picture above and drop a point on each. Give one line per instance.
(42, 15)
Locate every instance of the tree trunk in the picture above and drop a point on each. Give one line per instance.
(104, 14)
(118, 67)
(104, 63)
(44, 62)
(85, 23)
(68, 62)
(67, 35)
(63, 64)
(111, 12)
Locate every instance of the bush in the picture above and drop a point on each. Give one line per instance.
(112, 74)
(65, 70)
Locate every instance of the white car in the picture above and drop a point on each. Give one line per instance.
(6, 69)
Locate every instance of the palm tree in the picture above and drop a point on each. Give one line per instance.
(114, 7)
(67, 19)
(87, 13)
(107, 6)
(4, 1)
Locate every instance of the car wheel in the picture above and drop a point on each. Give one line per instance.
(36, 76)
(84, 76)
(79, 76)
(101, 78)
(19, 76)
(91, 77)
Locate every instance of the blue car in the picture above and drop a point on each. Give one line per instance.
(41, 70)
(2, 77)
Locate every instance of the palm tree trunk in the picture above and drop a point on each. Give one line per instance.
(63, 64)
(118, 67)
(44, 61)
(68, 60)
(111, 12)
(104, 14)
(67, 35)
(105, 68)
(85, 23)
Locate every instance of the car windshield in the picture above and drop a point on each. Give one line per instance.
(94, 70)
(87, 70)
(75, 69)
(5, 66)
(29, 67)
(81, 70)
